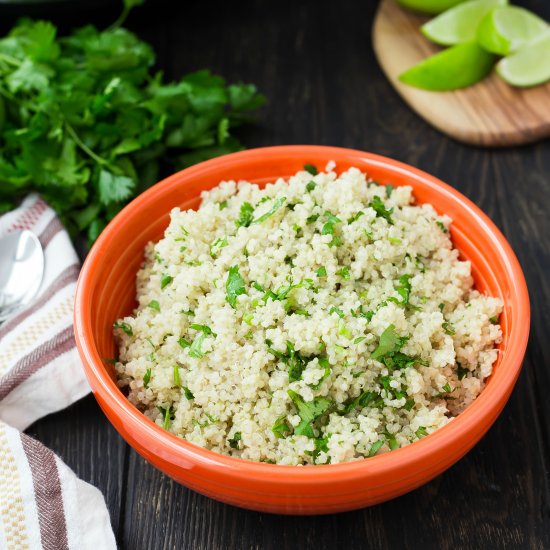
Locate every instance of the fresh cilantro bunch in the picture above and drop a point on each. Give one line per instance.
(84, 122)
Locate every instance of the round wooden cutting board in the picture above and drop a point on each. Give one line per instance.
(490, 113)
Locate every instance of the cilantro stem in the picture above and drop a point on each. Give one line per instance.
(84, 147)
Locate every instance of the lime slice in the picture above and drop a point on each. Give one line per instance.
(429, 6)
(459, 24)
(456, 67)
(529, 66)
(506, 29)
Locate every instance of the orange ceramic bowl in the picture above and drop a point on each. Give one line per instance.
(106, 290)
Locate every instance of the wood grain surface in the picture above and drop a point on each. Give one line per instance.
(315, 63)
(490, 113)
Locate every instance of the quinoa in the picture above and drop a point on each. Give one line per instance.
(319, 320)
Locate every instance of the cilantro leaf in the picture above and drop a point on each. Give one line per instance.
(308, 411)
(246, 215)
(276, 205)
(234, 286)
(378, 206)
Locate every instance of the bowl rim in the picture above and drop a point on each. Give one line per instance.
(175, 449)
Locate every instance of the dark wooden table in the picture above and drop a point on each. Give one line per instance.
(315, 63)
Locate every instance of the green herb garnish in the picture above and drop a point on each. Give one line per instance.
(246, 215)
(147, 378)
(332, 220)
(188, 393)
(276, 205)
(421, 432)
(375, 447)
(321, 272)
(310, 186)
(234, 441)
(153, 304)
(309, 412)
(234, 286)
(344, 273)
(312, 169)
(336, 310)
(280, 428)
(441, 226)
(449, 329)
(378, 206)
(217, 245)
(389, 190)
(177, 379)
(356, 216)
(165, 280)
(124, 326)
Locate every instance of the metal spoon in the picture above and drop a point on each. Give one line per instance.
(21, 271)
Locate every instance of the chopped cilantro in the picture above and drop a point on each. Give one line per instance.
(441, 306)
(360, 402)
(234, 286)
(449, 329)
(461, 371)
(324, 363)
(165, 280)
(392, 442)
(124, 326)
(280, 428)
(404, 290)
(188, 393)
(344, 331)
(494, 320)
(310, 186)
(447, 388)
(312, 169)
(441, 226)
(344, 273)
(246, 215)
(203, 328)
(390, 342)
(359, 340)
(276, 205)
(336, 310)
(184, 343)
(309, 411)
(332, 220)
(375, 447)
(356, 216)
(177, 379)
(234, 441)
(409, 404)
(167, 415)
(222, 205)
(389, 190)
(312, 219)
(378, 206)
(217, 245)
(336, 241)
(248, 318)
(421, 432)
(394, 240)
(322, 272)
(296, 363)
(153, 304)
(147, 378)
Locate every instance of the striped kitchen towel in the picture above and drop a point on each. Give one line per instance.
(43, 505)
(40, 371)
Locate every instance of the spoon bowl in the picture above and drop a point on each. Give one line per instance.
(21, 271)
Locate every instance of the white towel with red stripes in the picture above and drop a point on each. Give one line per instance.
(42, 502)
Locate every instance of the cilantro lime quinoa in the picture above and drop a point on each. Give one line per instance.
(320, 320)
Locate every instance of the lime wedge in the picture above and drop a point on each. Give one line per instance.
(529, 66)
(459, 24)
(429, 6)
(456, 67)
(506, 29)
